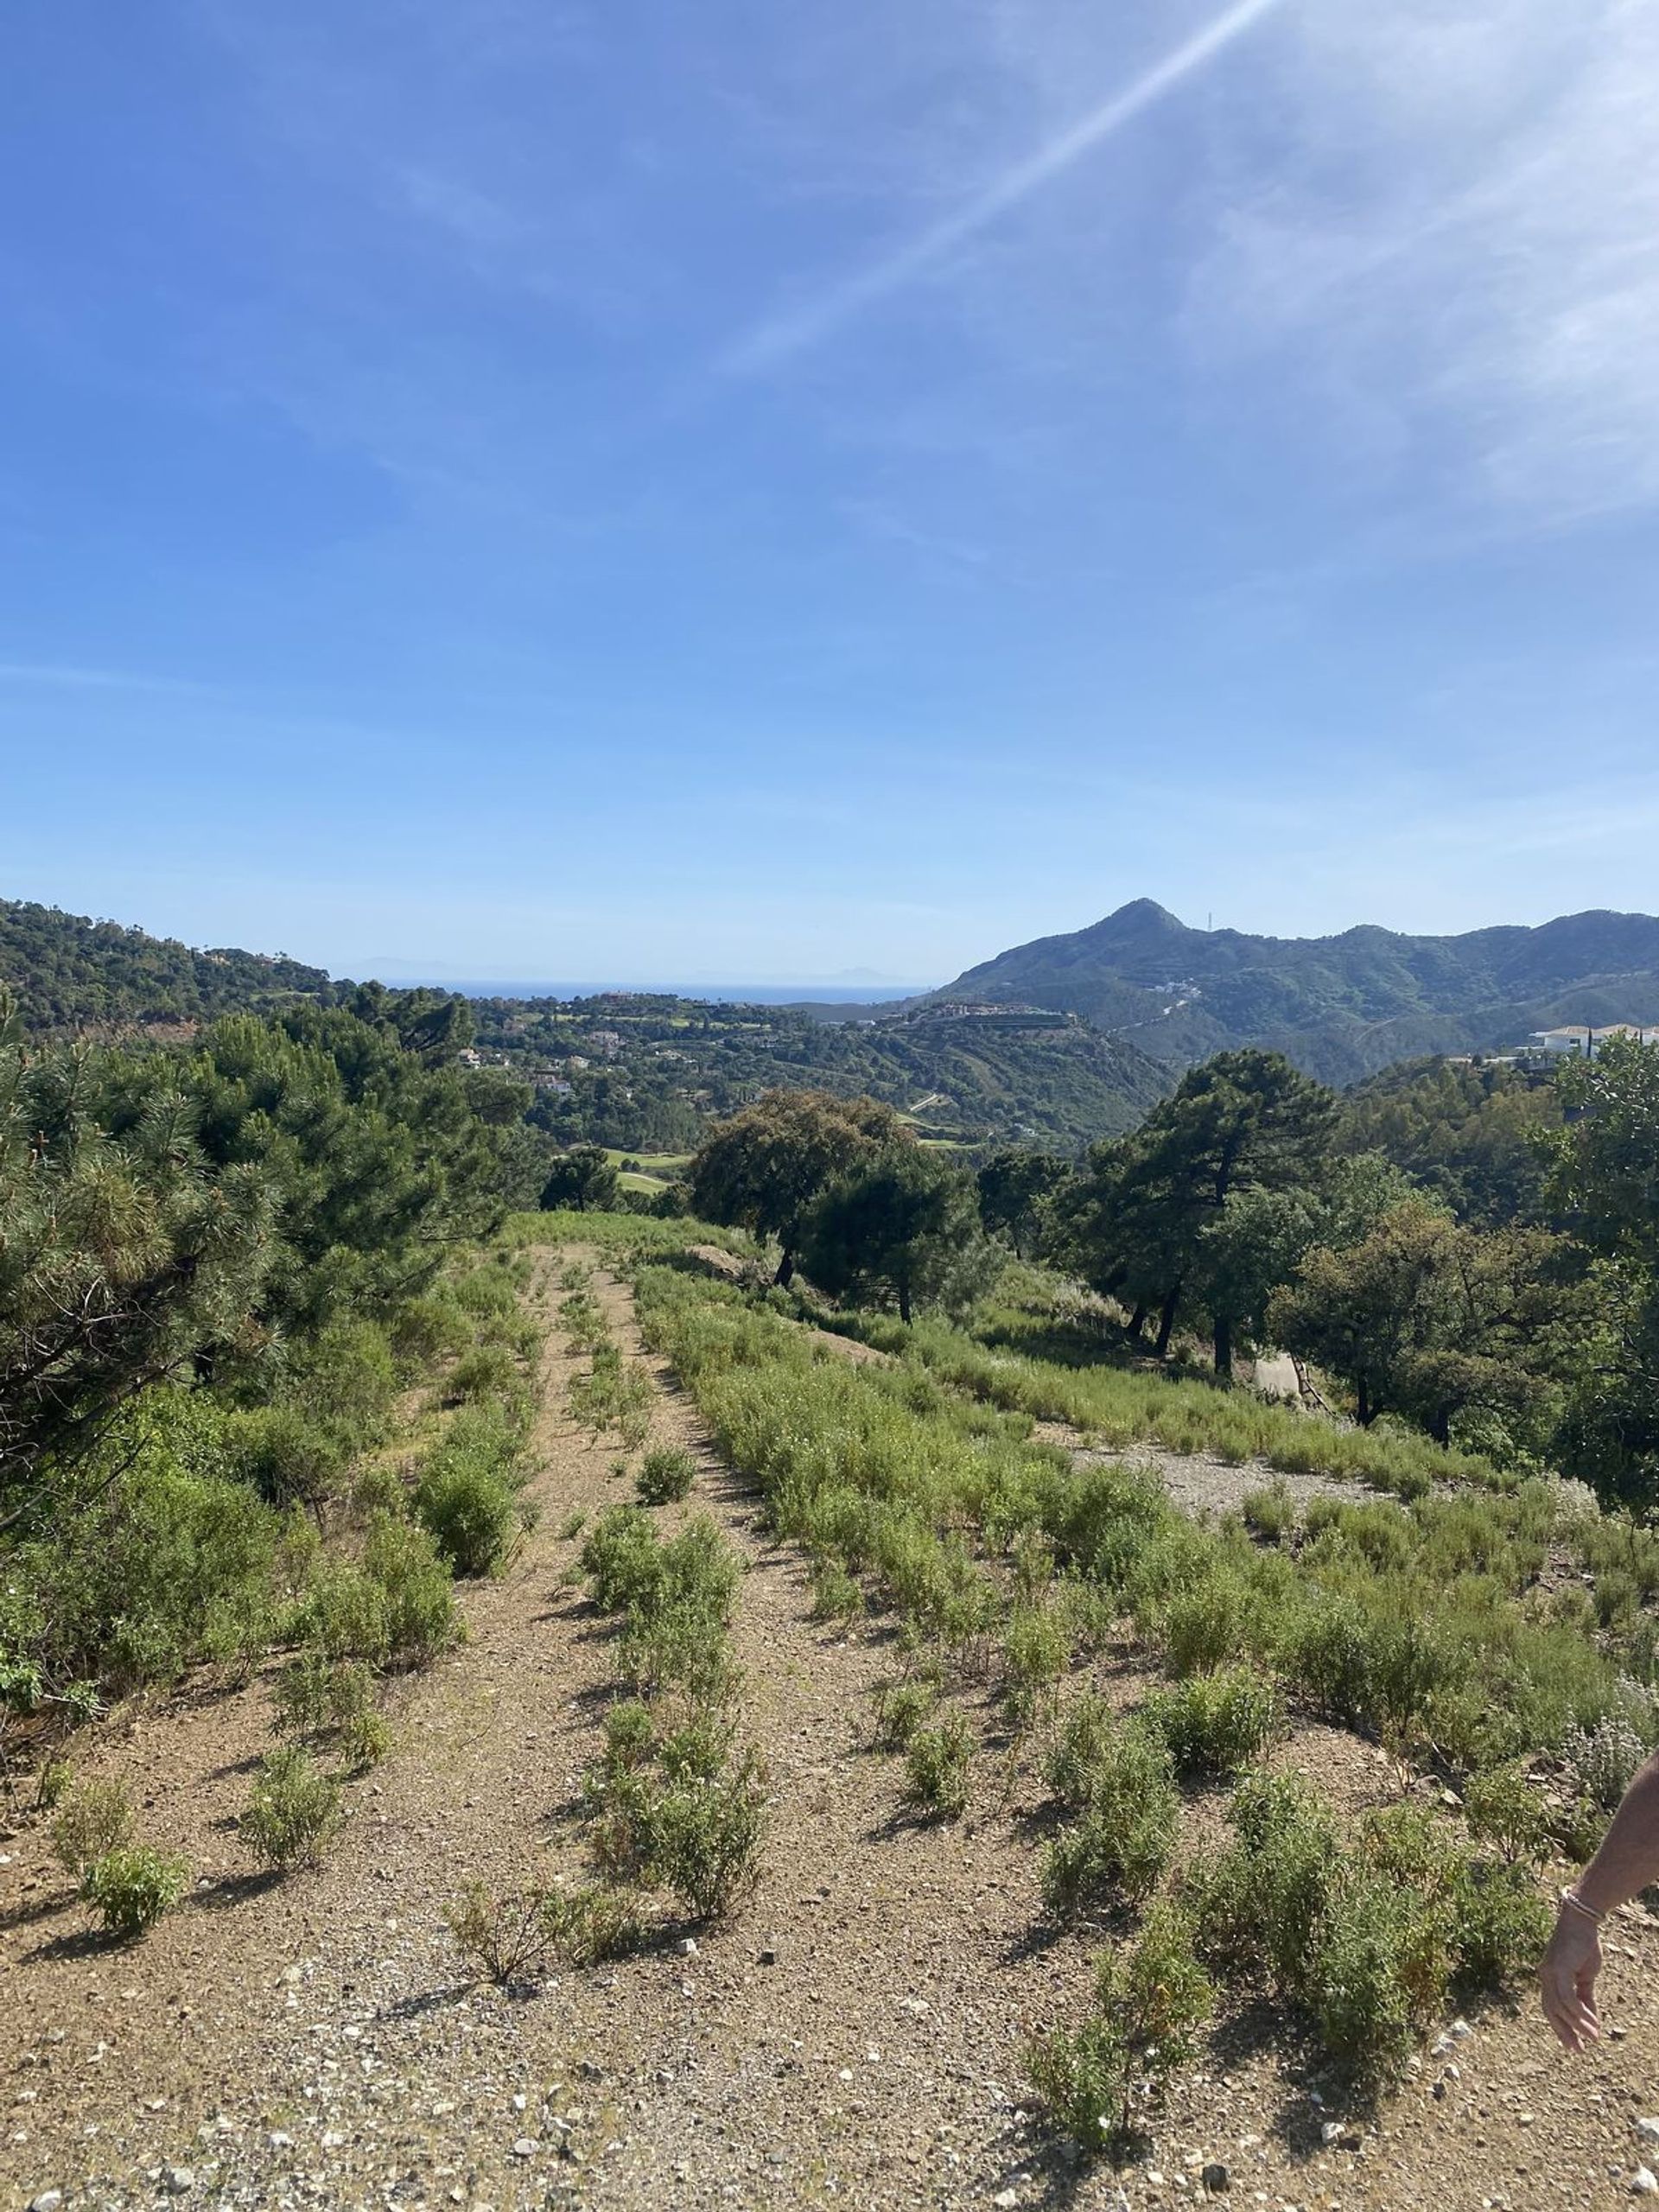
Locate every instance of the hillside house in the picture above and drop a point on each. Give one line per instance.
(1584, 1038)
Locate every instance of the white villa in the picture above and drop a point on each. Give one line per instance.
(1584, 1038)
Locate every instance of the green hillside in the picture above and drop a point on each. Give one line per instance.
(1342, 1007)
(68, 972)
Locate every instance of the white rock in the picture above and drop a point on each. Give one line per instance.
(180, 2180)
(1005, 2197)
(1649, 2128)
(526, 2147)
(689, 1947)
(1643, 2183)
(281, 2140)
(1330, 2130)
(47, 2201)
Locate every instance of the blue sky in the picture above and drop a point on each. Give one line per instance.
(602, 488)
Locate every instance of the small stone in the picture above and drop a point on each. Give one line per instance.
(1649, 2128)
(689, 1947)
(768, 1955)
(526, 2147)
(1005, 2198)
(1216, 2178)
(281, 2140)
(519, 2101)
(1330, 2130)
(47, 2201)
(180, 2180)
(1644, 2183)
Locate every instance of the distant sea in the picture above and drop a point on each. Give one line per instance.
(716, 993)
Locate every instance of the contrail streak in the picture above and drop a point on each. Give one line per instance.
(775, 340)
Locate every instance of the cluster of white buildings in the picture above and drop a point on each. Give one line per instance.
(1586, 1039)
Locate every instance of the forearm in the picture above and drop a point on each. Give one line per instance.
(1629, 1858)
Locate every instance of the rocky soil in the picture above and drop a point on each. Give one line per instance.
(853, 2037)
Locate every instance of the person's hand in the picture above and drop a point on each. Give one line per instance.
(1567, 1979)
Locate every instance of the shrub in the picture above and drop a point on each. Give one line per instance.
(419, 1617)
(317, 1695)
(294, 1812)
(1036, 1647)
(1600, 1762)
(487, 1371)
(96, 1820)
(1377, 1945)
(705, 1836)
(364, 1739)
(1502, 1808)
(1501, 1925)
(473, 1515)
(630, 1737)
(1083, 1741)
(835, 1595)
(665, 1476)
(900, 1709)
(1150, 2003)
(505, 1937)
(936, 1766)
(1260, 1904)
(622, 1559)
(1127, 1835)
(131, 1886)
(592, 1923)
(679, 1647)
(1270, 1513)
(1216, 1723)
(467, 1496)
(1206, 1626)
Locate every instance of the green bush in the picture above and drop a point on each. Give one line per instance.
(467, 1496)
(621, 1557)
(1131, 1819)
(936, 1764)
(295, 1810)
(131, 1887)
(316, 1695)
(705, 1835)
(1270, 1513)
(1083, 1741)
(901, 1707)
(1502, 1808)
(590, 1924)
(665, 1476)
(1260, 1905)
(1036, 1650)
(96, 1818)
(402, 1562)
(835, 1595)
(1218, 1723)
(487, 1373)
(1150, 2003)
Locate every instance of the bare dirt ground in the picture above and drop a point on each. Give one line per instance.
(853, 2037)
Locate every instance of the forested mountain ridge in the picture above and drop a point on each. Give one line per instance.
(640, 1070)
(68, 972)
(1341, 1007)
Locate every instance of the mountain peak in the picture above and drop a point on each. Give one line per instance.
(1142, 912)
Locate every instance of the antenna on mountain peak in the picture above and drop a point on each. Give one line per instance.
(1210, 919)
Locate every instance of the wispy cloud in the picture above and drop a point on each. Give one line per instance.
(68, 678)
(1452, 246)
(795, 330)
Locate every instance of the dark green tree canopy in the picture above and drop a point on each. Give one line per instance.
(900, 1228)
(583, 1178)
(762, 1169)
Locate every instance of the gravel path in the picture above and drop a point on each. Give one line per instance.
(854, 2038)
